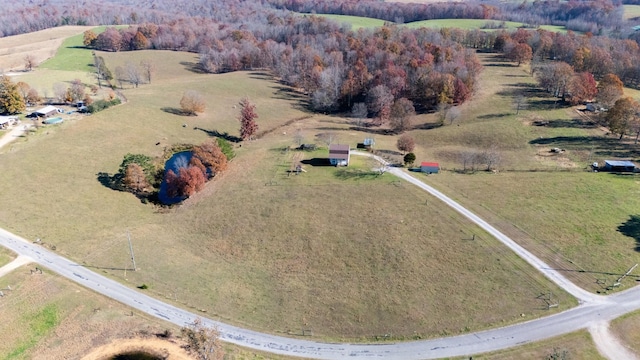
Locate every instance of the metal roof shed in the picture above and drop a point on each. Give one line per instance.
(619, 166)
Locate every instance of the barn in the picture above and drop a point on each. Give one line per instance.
(619, 166)
(429, 167)
(46, 111)
(339, 154)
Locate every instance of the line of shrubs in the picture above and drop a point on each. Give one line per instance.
(100, 105)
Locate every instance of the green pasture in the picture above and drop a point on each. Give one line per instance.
(73, 55)
(631, 11)
(356, 22)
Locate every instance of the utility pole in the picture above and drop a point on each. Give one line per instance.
(133, 259)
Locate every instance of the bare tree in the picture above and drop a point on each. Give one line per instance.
(29, 62)
(453, 114)
(520, 103)
(359, 112)
(133, 73)
(202, 341)
(328, 137)
(192, 102)
(60, 92)
(492, 157)
(148, 69)
(121, 75)
(298, 137)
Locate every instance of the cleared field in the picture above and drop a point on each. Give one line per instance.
(358, 22)
(631, 11)
(576, 345)
(626, 328)
(72, 55)
(40, 44)
(342, 253)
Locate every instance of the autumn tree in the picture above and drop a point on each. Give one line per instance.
(60, 92)
(32, 96)
(248, 125)
(402, 111)
(139, 41)
(76, 91)
(29, 62)
(202, 341)
(11, 101)
(135, 179)
(623, 116)
(144, 162)
(610, 89)
(520, 53)
(102, 72)
(192, 102)
(554, 77)
(89, 38)
(406, 143)
(187, 182)
(23, 88)
(379, 101)
(210, 155)
(582, 87)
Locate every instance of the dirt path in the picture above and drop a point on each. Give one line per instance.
(15, 133)
(608, 344)
(16, 263)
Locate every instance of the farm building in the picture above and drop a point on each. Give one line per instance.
(6, 121)
(339, 154)
(429, 167)
(46, 111)
(619, 166)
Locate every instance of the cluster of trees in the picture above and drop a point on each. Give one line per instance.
(11, 99)
(142, 175)
(207, 161)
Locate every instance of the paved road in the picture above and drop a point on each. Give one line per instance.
(568, 321)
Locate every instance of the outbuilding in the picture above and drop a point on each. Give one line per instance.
(619, 166)
(46, 111)
(429, 167)
(339, 154)
(6, 121)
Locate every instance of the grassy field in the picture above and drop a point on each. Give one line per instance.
(358, 22)
(576, 345)
(6, 256)
(342, 253)
(626, 329)
(631, 11)
(72, 55)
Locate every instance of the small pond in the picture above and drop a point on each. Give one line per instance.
(177, 161)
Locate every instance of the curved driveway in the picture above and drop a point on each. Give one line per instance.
(593, 309)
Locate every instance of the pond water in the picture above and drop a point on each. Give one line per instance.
(136, 355)
(177, 161)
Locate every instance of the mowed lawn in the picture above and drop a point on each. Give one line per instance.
(6, 256)
(631, 11)
(346, 255)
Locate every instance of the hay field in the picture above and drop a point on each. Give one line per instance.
(40, 44)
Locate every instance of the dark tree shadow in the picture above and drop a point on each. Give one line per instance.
(261, 75)
(317, 162)
(175, 111)
(427, 126)
(574, 123)
(216, 133)
(493, 116)
(389, 152)
(110, 181)
(193, 67)
(631, 228)
(601, 146)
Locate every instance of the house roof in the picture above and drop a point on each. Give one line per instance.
(6, 119)
(46, 110)
(430, 164)
(619, 163)
(339, 151)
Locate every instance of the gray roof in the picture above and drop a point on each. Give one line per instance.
(624, 163)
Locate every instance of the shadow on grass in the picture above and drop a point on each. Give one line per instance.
(175, 111)
(193, 67)
(356, 174)
(631, 228)
(592, 272)
(109, 181)
(317, 162)
(216, 133)
(493, 116)
(601, 146)
(563, 123)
